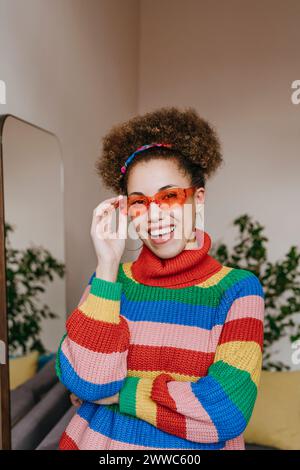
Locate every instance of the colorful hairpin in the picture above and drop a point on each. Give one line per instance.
(140, 149)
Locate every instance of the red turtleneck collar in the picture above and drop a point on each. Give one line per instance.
(187, 268)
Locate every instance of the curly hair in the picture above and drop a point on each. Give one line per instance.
(195, 146)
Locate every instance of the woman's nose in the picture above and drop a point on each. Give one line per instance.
(154, 210)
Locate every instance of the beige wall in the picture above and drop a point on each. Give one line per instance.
(76, 68)
(234, 61)
(70, 66)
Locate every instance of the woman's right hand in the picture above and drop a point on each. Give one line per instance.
(109, 246)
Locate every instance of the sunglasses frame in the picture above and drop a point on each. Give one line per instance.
(187, 191)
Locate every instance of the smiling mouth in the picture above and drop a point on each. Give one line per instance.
(161, 232)
(162, 235)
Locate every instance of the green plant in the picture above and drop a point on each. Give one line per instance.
(280, 281)
(26, 273)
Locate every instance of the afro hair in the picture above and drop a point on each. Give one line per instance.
(195, 145)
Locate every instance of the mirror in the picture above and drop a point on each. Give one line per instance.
(32, 269)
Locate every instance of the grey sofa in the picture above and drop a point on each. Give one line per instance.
(41, 409)
(36, 407)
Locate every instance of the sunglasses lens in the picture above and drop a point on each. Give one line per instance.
(169, 197)
(136, 205)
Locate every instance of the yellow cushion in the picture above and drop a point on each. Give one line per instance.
(275, 421)
(22, 368)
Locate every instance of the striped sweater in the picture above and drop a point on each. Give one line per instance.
(180, 339)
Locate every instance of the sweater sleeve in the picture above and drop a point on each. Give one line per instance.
(91, 360)
(218, 406)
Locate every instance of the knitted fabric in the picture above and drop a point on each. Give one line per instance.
(180, 339)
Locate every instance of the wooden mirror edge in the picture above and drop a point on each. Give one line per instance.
(5, 413)
(5, 416)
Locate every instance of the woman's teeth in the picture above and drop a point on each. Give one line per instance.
(158, 233)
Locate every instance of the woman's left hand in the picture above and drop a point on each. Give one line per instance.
(76, 401)
(104, 401)
(108, 400)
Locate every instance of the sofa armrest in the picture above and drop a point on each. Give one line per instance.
(36, 424)
(25, 396)
(51, 441)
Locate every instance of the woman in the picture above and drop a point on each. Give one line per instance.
(164, 352)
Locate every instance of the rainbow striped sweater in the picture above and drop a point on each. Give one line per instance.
(180, 340)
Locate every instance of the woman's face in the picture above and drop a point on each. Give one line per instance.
(149, 177)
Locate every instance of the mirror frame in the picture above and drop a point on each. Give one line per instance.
(5, 414)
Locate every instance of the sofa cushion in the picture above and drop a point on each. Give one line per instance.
(21, 402)
(22, 368)
(42, 381)
(275, 419)
(26, 395)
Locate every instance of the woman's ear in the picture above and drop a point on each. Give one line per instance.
(199, 195)
(199, 208)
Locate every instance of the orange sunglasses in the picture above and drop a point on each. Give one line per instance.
(138, 204)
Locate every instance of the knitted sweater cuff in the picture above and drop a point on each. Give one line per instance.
(128, 395)
(103, 301)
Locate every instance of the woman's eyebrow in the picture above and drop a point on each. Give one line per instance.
(160, 189)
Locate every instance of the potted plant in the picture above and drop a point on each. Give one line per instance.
(27, 272)
(280, 281)
(274, 423)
